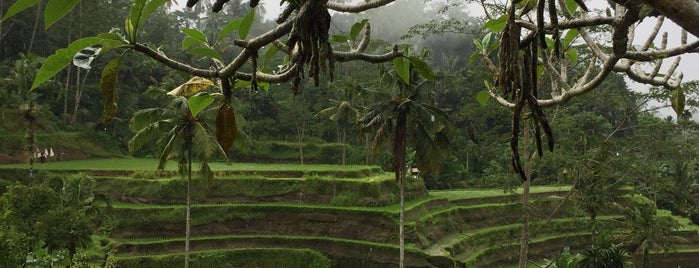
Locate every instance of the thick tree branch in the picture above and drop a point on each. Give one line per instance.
(683, 12)
(356, 8)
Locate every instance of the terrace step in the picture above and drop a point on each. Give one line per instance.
(343, 252)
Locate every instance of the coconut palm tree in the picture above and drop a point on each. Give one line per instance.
(408, 118)
(343, 112)
(179, 131)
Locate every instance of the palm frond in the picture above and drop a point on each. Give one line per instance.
(144, 117)
(147, 134)
(204, 142)
(171, 145)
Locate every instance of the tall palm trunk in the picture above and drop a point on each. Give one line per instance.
(300, 132)
(344, 143)
(188, 217)
(399, 165)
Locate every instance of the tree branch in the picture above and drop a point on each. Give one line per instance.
(356, 8)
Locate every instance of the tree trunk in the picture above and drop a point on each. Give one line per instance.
(300, 130)
(76, 99)
(344, 144)
(36, 26)
(524, 239)
(64, 115)
(401, 224)
(399, 166)
(367, 156)
(188, 217)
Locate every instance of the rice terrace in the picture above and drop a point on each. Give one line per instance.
(286, 215)
(350, 134)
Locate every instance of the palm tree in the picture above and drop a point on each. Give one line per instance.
(408, 117)
(645, 231)
(179, 131)
(344, 114)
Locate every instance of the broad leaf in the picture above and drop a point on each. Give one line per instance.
(271, 51)
(188, 42)
(150, 7)
(402, 66)
(193, 86)
(678, 101)
(19, 6)
(422, 68)
(206, 52)
(485, 43)
(62, 57)
(246, 24)
(108, 88)
(56, 9)
(229, 28)
(482, 97)
(572, 55)
(135, 13)
(570, 36)
(496, 25)
(338, 38)
(199, 102)
(571, 5)
(226, 128)
(195, 34)
(356, 29)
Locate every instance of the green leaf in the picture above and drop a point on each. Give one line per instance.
(242, 84)
(188, 42)
(483, 96)
(206, 52)
(246, 24)
(402, 66)
(422, 68)
(569, 37)
(108, 88)
(226, 128)
(135, 13)
(571, 5)
(473, 57)
(195, 34)
(496, 25)
(19, 6)
(56, 9)
(60, 59)
(229, 28)
(678, 101)
(264, 85)
(356, 28)
(478, 45)
(572, 55)
(486, 43)
(150, 7)
(199, 102)
(338, 38)
(271, 51)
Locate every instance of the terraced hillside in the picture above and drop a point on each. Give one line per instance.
(337, 217)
